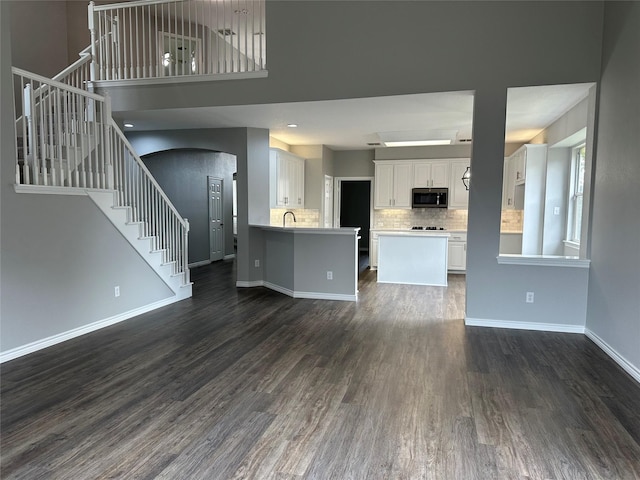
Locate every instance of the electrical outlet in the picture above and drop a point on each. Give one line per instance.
(329, 275)
(556, 210)
(529, 298)
(116, 291)
(257, 263)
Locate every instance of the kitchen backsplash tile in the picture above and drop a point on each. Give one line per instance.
(426, 217)
(511, 221)
(305, 217)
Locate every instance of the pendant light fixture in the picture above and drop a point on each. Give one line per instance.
(466, 177)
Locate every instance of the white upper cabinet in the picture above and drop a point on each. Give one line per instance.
(429, 174)
(402, 181)
(458, 193)
(515, 173)
(393, 182)
(287, 179)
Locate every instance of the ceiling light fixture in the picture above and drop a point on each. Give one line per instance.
(417, 143)
(128, 125)
(292, 125)
(466, 178)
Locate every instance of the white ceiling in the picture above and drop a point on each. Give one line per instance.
(353, 123)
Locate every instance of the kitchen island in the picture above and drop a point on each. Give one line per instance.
(303, 262)
(413, 257)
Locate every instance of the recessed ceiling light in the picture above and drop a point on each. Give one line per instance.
(417, 143)
(128, 125)
(292, 125)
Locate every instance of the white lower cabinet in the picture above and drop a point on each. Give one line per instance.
(457, 252)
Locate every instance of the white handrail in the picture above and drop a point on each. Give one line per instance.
(138, 3)
(55, 83)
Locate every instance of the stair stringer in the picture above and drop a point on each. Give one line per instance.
(131, 231)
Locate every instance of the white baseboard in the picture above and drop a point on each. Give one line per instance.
(626, 365)
(543, 327)
(326, 296)
(201, 263)
(296, 294)
(231, 256)
(311, 295)
(76, 332)
(278, 288)
(249, 283)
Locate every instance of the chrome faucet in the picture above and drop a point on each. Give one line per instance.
(284, 217)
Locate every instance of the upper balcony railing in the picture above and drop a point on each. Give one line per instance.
(154, 39)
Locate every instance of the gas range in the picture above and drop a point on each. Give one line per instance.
(427, 228)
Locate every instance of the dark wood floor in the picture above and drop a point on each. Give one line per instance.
(247, 383)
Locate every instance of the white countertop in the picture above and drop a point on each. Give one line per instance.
(414, 233)
(310, 230)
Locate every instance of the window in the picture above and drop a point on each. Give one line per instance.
(576, 191)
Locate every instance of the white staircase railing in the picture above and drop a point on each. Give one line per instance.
(137, 189)
(66, 137)
(176, 38)
(78, 74)
(61, 134)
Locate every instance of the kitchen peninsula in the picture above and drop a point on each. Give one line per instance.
(413, 257)
(303, 262)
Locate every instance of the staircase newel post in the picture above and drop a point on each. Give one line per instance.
(92, 29)
(185, 252)
(108, 132)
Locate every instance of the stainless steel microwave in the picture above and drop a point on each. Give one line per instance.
(429, 197)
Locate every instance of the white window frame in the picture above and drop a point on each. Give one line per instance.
(576, 194)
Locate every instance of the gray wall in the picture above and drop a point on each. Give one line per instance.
(39, 40)
(353, 163)
(279, 259)
(299, 262)
(182, 174)
(317, 254)
(614, 284)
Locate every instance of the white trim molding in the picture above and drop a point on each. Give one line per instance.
(326, 296)
(543, 260)
(278, 288)
(295, 294)
(201, 263)
(231, 256)
(76, 332)
(249, 283)
(51, 190)
(625, 364)
(183, 79)
(542, 327)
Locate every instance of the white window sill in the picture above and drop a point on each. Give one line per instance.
(544, 261)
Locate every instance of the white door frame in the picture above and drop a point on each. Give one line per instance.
(325, 202)
(337, 189)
